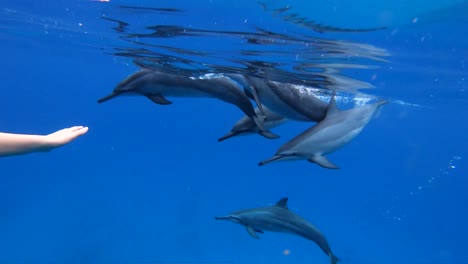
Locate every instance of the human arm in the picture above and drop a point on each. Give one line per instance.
(17, 144)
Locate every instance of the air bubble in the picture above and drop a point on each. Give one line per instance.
(396, 210)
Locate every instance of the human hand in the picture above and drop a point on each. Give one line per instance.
(64, 136)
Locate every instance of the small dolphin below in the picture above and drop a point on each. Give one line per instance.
(246, 125)
(157, 85)
(278, 218)
(328, 135)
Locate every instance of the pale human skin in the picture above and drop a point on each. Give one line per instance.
(18, 144)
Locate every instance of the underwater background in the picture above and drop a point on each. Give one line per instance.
(145, 183)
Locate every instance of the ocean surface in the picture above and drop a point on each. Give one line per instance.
(145, 183)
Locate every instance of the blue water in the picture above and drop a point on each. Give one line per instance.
(144, 185)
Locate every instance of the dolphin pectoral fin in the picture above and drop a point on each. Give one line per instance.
(270, 160)
(158, 99)
(323, 161)
(108, 97)
(259, 231)
(268, 134)
(228, 135)
(252, 232)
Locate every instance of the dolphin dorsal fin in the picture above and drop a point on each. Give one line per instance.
(282, 203)
(332, 109)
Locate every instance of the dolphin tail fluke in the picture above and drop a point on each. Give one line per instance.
(270, 160)
(333, 259)
(108, 97)
(259, 122)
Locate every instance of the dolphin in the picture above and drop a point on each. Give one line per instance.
(157, 85)
(328, 135)
(295, 102)
(246, 125)
(278, 218)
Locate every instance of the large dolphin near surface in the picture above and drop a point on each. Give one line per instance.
(328, 135)
(278, 218)
(246, 125)
(292, 101)
(157, 85)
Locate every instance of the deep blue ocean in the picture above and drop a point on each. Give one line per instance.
(145, 183)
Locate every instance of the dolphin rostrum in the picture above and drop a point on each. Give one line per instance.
(157, 85)
(278, 218)
(328, 135)
(246, 125)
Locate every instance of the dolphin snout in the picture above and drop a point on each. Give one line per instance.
(270, 160)
(222, 217)
(108, 97)
(228, 135)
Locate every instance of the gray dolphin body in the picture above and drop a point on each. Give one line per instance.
(156, 86)
(246, 125)
(294, 102)
(328, 135)
(278, 218)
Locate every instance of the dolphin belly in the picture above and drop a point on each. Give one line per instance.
(174, 91)
(325, 141)
(267, 224)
